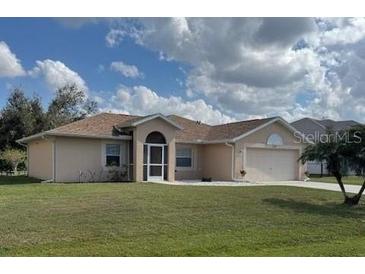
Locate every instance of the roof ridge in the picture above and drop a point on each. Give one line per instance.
(193, 121)
(245, 121)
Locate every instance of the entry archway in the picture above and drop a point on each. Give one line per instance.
(155, 153)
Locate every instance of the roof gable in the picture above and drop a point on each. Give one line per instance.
(142, 120)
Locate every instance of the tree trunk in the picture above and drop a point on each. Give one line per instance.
(15, 170)
(342, 186)
(356, 199)
(321, 169)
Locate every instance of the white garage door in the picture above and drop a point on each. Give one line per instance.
(271, 164)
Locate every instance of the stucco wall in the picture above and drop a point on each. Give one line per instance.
(40, 159)
(139, 137)
(217, 161)
(260, 137)
(196, 172)
(82, 159)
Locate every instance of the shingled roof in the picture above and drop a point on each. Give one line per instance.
(100, 124)
(103, 125)
(194, 131)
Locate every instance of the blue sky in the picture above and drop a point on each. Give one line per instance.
(210, 69)
(85, 51)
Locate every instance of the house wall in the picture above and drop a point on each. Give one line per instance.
(217, 162)
(40, 159)
(209, 160)
(83, 159)
(260, 137)
(196, 171)
(139, 137)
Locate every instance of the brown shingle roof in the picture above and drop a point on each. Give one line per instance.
(232, 130)
(102, 125)
(193, 131)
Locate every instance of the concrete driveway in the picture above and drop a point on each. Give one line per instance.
(309, 184)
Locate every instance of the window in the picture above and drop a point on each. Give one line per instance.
(184, 157)
(112, 153)
(155, 137)
(275, 139)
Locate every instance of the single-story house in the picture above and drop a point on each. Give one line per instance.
(313, 129)
(156, 147)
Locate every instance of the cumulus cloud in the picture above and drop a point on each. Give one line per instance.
(114, 37)
(10, 65)
(56, 74)
(126, 70)
(142, 100)
(258, 67)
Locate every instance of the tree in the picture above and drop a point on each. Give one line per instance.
(70, 104)
(20, 117)
(341, 151)
(14, 157)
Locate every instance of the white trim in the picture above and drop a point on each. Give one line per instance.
(162, 165)
(154, 116)
(277, 119)
(76, 135)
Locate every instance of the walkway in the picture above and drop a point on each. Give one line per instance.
(309, 184)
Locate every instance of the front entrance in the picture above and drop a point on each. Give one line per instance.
(155, 162)
(155, 158)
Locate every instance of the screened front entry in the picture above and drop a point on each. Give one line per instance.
(155, 158)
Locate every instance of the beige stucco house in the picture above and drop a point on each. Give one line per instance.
(121, 147)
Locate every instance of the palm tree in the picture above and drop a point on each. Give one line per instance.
(341, 154)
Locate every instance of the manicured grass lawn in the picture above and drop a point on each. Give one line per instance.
(352, 180)
(110, 219)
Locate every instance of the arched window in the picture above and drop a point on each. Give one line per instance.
(275, 139)
(155, 137)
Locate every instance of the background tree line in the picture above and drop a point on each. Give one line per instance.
(23, 116)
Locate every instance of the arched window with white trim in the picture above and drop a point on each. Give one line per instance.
(275, 139)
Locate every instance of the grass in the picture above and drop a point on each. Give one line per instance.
(351, 180)
(135, 219)
(16, 180)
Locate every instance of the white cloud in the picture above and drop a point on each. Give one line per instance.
(126, 70)
(344, 31)
(114, 37)
(249, 67)
(56, 74)
(10, 66)
(142, 100)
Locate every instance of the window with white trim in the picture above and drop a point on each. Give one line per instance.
(275, 139)
(112, 155)
(184, 157)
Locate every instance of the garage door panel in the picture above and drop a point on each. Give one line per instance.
(271, 164)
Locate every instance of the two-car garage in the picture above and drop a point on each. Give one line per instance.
(271, 164)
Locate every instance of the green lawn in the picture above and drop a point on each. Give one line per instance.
(110, 219)
(352, 180)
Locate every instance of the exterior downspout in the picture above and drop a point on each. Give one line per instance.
(232, 163)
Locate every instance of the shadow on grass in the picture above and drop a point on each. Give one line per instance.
(17, 180)
(329, 209)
